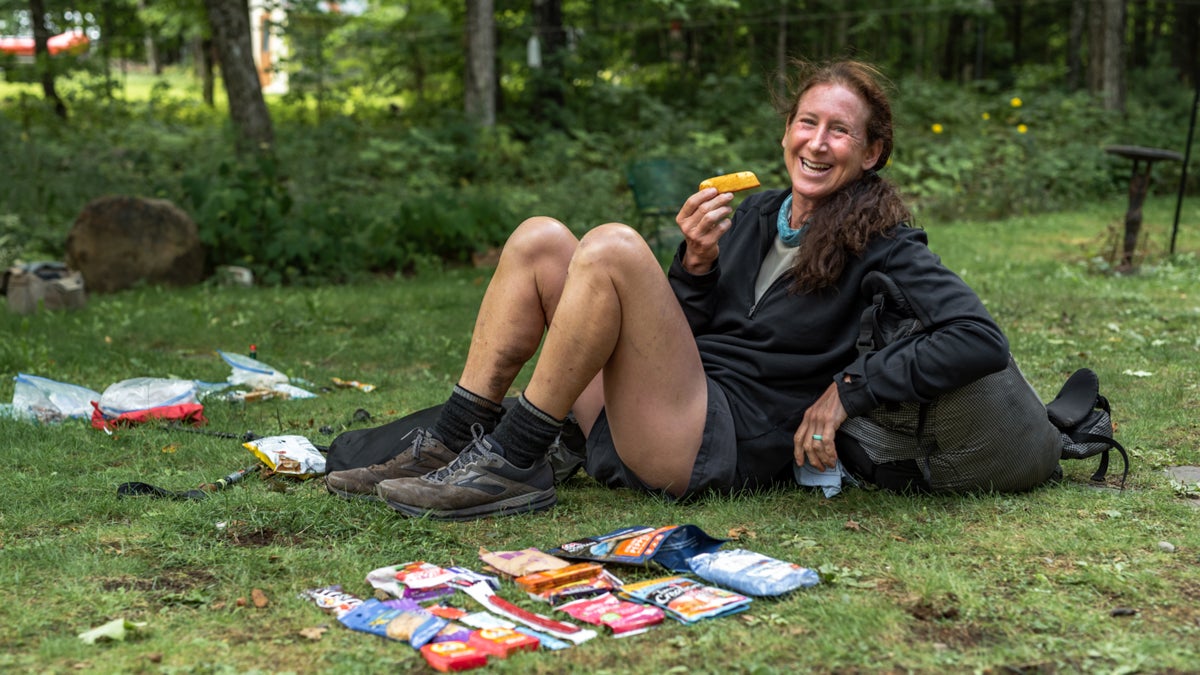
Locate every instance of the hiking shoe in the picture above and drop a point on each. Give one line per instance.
(480, 482)
(424, 454)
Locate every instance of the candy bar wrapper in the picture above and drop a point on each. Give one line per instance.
(686, 599)
(332, 599)
(417, 581)
(402, 620)
(520, 563)
(622, 617)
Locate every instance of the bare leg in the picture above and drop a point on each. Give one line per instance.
(617, 316)
(519, 303)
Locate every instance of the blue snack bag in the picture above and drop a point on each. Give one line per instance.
(752, 573)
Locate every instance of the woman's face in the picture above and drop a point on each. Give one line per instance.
(825, 143)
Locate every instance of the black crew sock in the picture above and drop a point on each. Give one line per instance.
(526, 433)
(463, 410)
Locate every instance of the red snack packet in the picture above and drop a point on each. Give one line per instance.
(621, 616)
(500, 642)
(448, 656)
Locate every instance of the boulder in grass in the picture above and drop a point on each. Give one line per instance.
(120, 241)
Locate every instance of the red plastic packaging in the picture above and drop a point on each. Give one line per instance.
(500, 642)
(450, 656)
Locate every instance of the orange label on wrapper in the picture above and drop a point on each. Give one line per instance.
(500, 642)
(449, 656)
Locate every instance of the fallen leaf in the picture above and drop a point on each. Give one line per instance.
(259, 598)
(241, 602)
(853, 525)
(741, 533)
(168, 449)
(313, 632)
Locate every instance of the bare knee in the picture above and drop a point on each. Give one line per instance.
(613, 245)
(537, 238)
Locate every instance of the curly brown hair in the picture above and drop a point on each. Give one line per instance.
(842, 224)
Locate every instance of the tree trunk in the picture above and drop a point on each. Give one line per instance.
(203, 50)
(781, 48)
(1185, 54)
(152, 60)
(1138, 58)
(230, 22)
(548, 77)
(1075, 44)
(1113, 78)
(41, 54)
(952, 56)
(480, 96)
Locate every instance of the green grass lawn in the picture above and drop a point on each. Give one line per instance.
(1069, 578)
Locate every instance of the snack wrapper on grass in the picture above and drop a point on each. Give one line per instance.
(290, 455)
(670, 546)
(686, 599)
(752, 573)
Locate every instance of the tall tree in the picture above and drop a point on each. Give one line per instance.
(549, 73)
(1106, 52)
(480, 96)
(230, 22)
(41, 54)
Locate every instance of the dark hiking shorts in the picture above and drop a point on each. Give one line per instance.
(716, 462)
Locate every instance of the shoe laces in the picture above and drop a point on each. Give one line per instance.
(477, 448)
(415, 445)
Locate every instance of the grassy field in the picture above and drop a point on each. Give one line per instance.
(1069, 578)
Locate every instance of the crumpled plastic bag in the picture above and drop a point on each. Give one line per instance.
(290, 455)
(252, 372)
(49, 401)
(144, 393)
(260, 377)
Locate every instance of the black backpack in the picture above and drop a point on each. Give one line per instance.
(1083, 416)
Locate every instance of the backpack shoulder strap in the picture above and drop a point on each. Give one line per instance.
(1085, 437)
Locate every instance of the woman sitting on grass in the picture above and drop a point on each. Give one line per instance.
(740, 364)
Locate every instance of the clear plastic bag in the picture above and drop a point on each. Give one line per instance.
(252, 372)
(143, 393)
(50, 401)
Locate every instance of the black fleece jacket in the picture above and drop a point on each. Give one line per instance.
(773, 359)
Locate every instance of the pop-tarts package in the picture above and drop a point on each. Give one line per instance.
(686, 599)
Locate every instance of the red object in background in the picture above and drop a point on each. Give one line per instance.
(187, 413)
(63, 43)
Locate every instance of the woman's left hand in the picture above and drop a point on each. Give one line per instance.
(814, 437)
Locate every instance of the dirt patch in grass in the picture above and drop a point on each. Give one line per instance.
(174, 581)
(243, 534)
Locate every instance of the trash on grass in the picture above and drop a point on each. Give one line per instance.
(752, 573)
(117, 630)
(352, 384)
(49, 401)
(289, 455)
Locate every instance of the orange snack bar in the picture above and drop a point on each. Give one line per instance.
(732, 182)
(451, 656)
(500, 642)
(541, 581)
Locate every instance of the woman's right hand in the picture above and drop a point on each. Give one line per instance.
(703, 219)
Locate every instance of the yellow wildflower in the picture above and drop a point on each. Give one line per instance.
(1021, 128)
(986, 117)
(936, 128)
(1015, 102)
